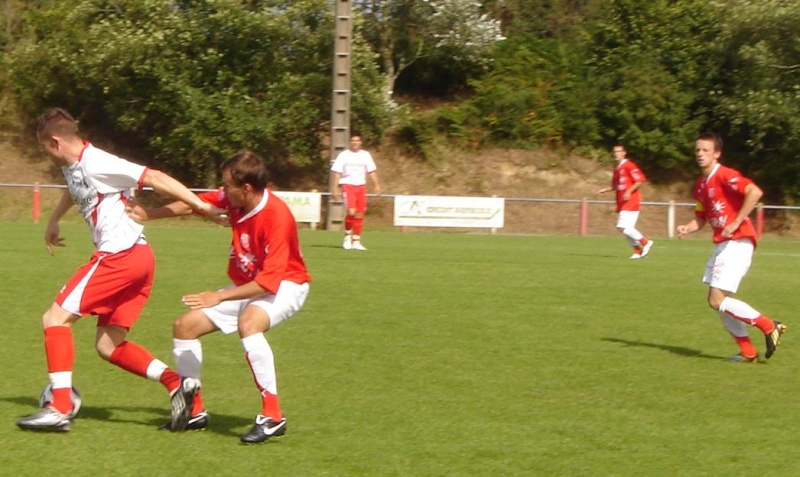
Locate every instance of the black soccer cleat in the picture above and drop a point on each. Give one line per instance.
(263, 429)
(182, 399)
(198, 422)
(773, 338)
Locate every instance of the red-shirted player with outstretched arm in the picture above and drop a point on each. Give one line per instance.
(626, 182)
(269, 285)
(725, 198)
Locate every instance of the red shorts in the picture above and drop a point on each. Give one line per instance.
(355, 197)
(113, 286)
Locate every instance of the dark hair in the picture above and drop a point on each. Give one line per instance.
(356, 134)
(713, 137)
(56, 122)
(619, 144)
(247, 167)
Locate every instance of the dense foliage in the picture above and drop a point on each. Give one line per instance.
(188, 82)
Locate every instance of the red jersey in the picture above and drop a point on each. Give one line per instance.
(719, 198)
(265, 246)
(625, 175)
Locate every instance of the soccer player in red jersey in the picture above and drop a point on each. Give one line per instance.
(724, 199)
(626, 181)
(269, 285)
(116, 282)
(350, 170)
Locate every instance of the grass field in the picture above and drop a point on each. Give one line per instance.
(432, 354)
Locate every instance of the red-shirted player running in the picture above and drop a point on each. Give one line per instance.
(725, 198)
(626, 181)
(270, 284)
(115, 284)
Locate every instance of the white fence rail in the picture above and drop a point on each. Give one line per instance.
(511, 214)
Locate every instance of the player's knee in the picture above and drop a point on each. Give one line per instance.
(715, 300)
(250, 324)
(52, 317)
(104, 350)
(182, 328)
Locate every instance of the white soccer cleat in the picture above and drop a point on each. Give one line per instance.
(646, 248)
(347, 244)
(46, 419)
(636, 256)
(357, 246)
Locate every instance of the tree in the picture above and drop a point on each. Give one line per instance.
(757, 98)
(188, 83)
(403, 31)
(653, 69)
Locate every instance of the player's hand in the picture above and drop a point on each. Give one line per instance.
(52, 237)
(219, 216)
(729, 230)
(683, 231)
(378, 190)
(137, 212)
(204, 299)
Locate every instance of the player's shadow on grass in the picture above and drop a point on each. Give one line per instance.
(680, 350)
(219, 423)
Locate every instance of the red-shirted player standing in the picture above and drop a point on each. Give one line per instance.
(116, 282)
(350, 171)
(725, 198)
(270, 284)
(626, 181)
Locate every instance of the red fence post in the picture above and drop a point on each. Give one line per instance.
(584, 216)
(36, 202)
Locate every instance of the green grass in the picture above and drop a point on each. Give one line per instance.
(433, 354)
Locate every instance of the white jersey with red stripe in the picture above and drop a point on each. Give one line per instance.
(100, 184)
(354, 166)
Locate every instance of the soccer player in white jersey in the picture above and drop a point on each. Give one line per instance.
(116, 282)
(350, 171)
(724, 199)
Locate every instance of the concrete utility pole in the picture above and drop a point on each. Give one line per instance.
(340, 108)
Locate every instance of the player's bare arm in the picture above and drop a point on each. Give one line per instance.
(208, 299)
(376, 184)
(52, 232)
(752, 194)
(143, 214)
(690, 227)
(166, 185)
(336, 192)
(628, 193)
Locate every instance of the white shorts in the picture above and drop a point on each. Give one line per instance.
(627, 218)
(285, 304)
(728, 264)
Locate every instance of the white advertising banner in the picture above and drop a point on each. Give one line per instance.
(305, 206)
(438, 211)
